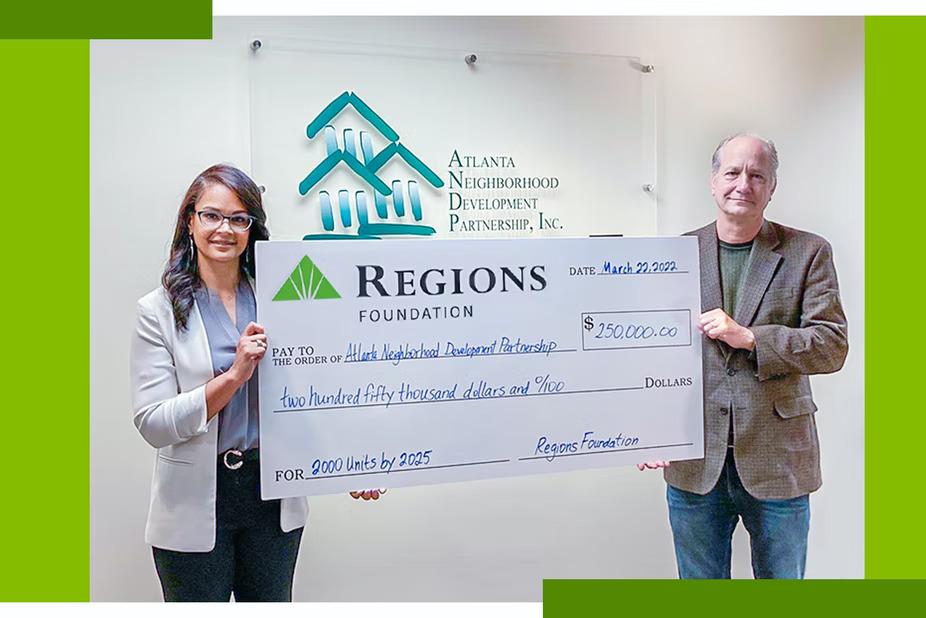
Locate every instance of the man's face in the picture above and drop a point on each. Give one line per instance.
(743, 185)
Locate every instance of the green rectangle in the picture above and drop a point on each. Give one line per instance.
(106, 19)
(45, 159)
(895, 138)
(571, 598)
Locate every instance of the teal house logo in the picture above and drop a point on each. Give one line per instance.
(306, 282)
(385, 206)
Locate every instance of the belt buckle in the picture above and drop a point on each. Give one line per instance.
(237, 464)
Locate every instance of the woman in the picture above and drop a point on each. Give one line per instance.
(194, 356)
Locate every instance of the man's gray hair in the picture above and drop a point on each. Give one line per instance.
(769, 148)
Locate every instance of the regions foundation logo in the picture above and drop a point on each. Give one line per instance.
(306, 282)
(386, 205)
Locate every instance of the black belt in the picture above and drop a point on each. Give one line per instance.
(234, 459)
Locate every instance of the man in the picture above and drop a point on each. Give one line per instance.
(771, 317)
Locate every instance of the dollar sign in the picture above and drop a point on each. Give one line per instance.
(589, 323)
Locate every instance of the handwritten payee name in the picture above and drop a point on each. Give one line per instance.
(359, 352)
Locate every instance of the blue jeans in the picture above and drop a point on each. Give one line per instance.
(702, 528)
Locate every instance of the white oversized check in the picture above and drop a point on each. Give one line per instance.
(407, 362)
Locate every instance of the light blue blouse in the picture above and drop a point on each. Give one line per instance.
(238, 421)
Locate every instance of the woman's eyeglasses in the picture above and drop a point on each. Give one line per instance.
(212, 219)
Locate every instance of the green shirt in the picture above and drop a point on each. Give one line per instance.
(734, 262)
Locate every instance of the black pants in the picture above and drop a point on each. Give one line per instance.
(252, 557)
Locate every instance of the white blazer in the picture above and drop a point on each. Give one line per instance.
(169, 371)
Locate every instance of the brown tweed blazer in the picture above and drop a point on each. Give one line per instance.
(790, 300)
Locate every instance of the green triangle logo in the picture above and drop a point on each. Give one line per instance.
(306, 282)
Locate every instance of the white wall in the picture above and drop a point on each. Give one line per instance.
(163, 111)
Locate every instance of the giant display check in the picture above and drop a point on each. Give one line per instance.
(408, 362)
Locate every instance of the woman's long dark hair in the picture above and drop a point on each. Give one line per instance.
(181, 276)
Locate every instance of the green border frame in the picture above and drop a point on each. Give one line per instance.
(45, 520)
(634, 597)
(106, 19)
(45, 158)
(44, 554)
(895, 137)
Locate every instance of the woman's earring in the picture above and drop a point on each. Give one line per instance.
(192, 247)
